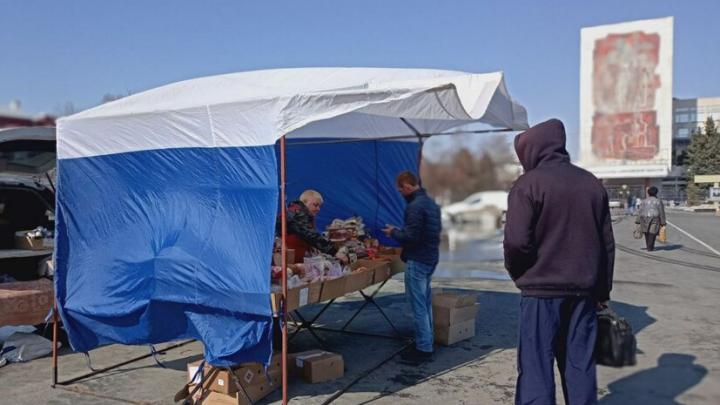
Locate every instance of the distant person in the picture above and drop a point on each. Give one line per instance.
(420, 240)
(631, 204)
(560, 251)
(651, 217)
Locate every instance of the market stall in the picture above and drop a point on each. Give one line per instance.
(167, 199)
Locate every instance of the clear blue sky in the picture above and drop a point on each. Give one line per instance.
(55, 52)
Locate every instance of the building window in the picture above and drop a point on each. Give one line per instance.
(682, 118)
(683, 132)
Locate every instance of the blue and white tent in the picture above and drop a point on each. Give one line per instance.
(167, 199)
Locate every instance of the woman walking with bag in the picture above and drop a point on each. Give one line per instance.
(651, 217)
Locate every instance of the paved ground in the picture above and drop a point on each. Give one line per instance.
(671, 306)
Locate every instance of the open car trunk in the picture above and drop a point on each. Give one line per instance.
(23, 209)
(27, 200)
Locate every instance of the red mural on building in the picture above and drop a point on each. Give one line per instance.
(624, 89)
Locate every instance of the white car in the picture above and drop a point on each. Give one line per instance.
(471, 208)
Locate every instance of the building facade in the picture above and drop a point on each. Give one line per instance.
(688, 115)
(12, 116)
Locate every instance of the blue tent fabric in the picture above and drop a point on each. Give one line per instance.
(162, 245)
(167, 199)
(355, 178)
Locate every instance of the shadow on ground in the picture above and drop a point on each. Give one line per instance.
(674, 374)
(496, 330)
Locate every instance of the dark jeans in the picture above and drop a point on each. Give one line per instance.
(562, 329)
(650, 241)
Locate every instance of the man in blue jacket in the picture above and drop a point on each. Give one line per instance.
(420, 241)
(560, 251)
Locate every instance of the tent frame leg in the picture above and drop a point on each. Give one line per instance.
(309, 325)
(108, 368)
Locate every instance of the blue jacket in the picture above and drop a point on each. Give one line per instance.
(420, 237)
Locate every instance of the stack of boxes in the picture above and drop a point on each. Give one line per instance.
(453, 317)
(220, 387)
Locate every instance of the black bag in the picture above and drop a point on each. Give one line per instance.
(615, 345)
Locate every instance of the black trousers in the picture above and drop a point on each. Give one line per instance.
(650, 241)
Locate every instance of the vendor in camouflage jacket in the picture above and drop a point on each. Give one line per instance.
(302, 234)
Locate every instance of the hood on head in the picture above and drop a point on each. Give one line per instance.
(543, 143)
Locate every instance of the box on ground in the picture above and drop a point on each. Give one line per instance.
(444, 317)
(316, 366)
(454, 333)
(448, 300)
(220, 380)
(256, 392)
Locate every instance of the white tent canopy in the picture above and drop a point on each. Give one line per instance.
(257, 108)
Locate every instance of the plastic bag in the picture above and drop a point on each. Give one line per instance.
(314, 268)
(638, 233)
(21, 347)
(294, 281)
(662, 236)
(336, 270)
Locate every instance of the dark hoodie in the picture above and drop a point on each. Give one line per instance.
(558, 236)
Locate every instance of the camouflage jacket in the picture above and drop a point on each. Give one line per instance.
(301, 223)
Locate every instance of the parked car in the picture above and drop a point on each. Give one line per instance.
(27, 201)
(472, 208)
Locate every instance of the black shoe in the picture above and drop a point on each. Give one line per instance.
(414, 356)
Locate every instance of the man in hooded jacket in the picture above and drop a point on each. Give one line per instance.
(559, 250)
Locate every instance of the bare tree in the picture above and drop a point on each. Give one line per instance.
(459, 173)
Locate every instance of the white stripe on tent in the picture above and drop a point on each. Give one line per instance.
(367, 106)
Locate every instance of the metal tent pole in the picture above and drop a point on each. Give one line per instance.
(55, 344)
(283, 302)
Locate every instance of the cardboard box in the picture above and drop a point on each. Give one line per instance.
(317, 366)
(444, 317)
(387, 250)
(25, 302)
(382, 272)
(333, 288)
(24, 242)
(449, 300)
(256, 392)
(298, 297)
(454, 333)
(358, 279)
(396, 264)
(220, 380)
(381, 269)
